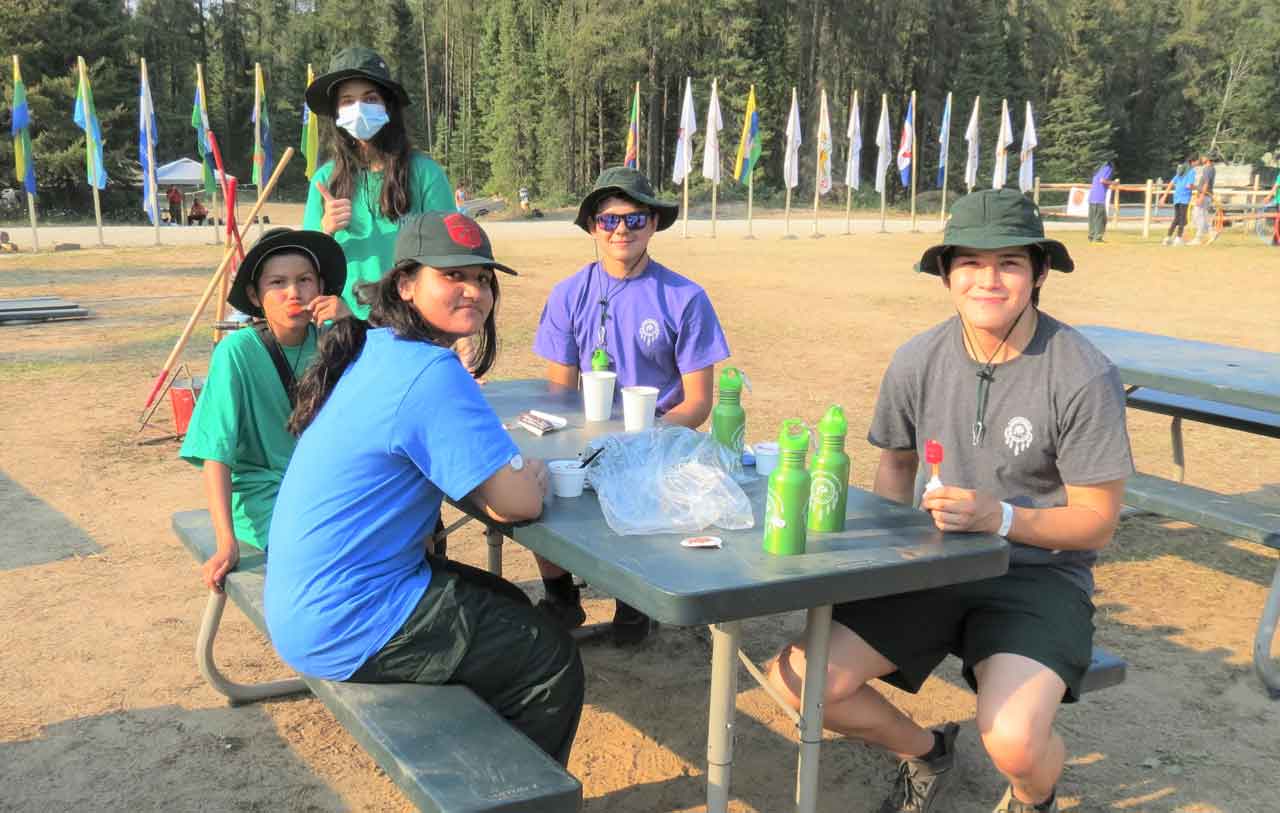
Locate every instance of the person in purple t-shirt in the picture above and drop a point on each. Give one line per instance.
(655, 327)
(1098, 201)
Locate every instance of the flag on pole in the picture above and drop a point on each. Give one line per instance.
(1027, 159)
(204, 140)
(684, 140)
(711, 150)
(907, 147)
(310, 131)
(147, 130)
(1000, 173)
(791, 159)
(944, 140)
(24, 161)
(86, 118)
(884, 144)
(263, 157)
(853, 168)
(824, 146)
(971, 136)
(749, 145)
(632, 158)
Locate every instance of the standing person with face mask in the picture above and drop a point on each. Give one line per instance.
(373, 176)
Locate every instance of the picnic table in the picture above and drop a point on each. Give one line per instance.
(886, 548)
(1231, 387)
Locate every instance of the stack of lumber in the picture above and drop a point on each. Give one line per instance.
(39, 309)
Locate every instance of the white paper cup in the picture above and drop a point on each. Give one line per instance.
(638, 407)
(597, 394)
(567, 477)
(766, 458)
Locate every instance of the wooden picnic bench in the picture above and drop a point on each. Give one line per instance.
(447, 750)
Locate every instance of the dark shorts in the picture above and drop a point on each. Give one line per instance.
(1031, 611)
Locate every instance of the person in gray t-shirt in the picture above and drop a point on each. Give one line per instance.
(1031, 418)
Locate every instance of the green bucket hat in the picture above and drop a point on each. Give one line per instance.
(325, 253)
(445, 240)
(352, 63)
(992, 219)
(628, 183)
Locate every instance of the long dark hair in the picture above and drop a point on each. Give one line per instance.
(393, 146)
(342, 344)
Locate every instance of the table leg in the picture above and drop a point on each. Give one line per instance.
(1262, 662)
(234, 692)
(724, 695)
(494, 538)
(817, 640)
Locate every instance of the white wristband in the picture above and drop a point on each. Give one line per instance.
(1006, 519)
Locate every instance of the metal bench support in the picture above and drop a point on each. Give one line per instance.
(235, 692)
(1266, 668)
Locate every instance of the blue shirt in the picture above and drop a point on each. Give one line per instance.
(1097, 189)
(658, 327)
(404, 426)
(1183, 185)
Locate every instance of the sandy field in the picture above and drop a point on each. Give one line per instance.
(102, 708)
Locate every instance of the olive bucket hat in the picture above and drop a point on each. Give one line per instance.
(445, 240)
(352, 63)
(325, 254)
(993, 219)
(630, 184)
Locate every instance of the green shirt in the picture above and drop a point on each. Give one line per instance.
(369, 240)
(239, 420)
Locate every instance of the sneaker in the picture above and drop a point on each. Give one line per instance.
(1009, 804)
(629, 625)
(1177, 241)
(569, 614)
(1167, 241)
(919, 784)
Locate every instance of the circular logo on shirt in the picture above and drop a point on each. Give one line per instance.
(648, 332)
(464, 231)
(1018, 435)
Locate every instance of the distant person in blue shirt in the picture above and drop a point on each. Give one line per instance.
(1098, 188)
(391, 422)
(1182, 186)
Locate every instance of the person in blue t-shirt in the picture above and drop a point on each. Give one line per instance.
(390, 422)
(1181, 185)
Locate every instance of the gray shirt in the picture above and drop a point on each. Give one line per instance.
(1055, 415)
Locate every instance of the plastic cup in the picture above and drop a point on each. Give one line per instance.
(567, 477)
(638, 407)
(597, 394)
(766, 458)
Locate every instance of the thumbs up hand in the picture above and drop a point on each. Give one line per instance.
(337, 211)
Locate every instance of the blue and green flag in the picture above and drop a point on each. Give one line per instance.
(25, 165)
(86, 118)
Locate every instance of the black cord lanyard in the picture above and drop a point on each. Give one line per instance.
(606, 297)
(986, 376)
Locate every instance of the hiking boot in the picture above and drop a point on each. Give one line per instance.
(919, 783)
(1009, 804)
(569, 614)
(629, 625)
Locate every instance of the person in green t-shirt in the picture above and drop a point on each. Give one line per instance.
(237, 433)
(374, 176)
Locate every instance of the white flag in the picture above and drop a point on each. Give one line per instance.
(853, 169)
(824, 146)
(1027, 158)
(791, 161)
(684, 140)
(944, 140)
(146, 146)
(971, 136)
(711, 151)
(884, 142)
(1000, 173)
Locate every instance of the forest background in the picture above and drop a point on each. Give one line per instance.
(510, 93)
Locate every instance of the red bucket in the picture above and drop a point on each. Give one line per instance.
(182, 396)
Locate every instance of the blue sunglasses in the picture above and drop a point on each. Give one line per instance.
(635, 221)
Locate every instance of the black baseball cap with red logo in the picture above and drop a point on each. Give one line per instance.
(445, 240)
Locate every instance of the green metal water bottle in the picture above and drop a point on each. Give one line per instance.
(600, 360)
(829, 475)
(728, 418)
(788, 493)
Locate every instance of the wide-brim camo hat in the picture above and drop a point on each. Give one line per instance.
(445, 240)
(352, 63)
(325, 253)
(627, 183)
(994, 219)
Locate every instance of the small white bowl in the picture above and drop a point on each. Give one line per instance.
(766, 458)
(567, 478)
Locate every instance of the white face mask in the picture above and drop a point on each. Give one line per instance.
(362, 120)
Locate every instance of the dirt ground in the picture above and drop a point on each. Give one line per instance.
(101, 706)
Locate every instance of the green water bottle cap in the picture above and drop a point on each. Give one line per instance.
(833, 423)
(794, 436)
(600, 359)
(731, 380)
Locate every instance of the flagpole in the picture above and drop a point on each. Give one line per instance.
(942, 211)
(750, 190)
(715, 187)
(257, 130)
(151, 157)
(220, 307)
(848, 188)
(638, 164)
(88, 139)
(915, 154)
(884, 104)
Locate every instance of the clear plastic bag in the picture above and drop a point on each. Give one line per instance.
(669, 480)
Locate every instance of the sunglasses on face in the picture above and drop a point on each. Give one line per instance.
(635, 221)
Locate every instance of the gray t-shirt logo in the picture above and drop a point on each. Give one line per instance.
(1018, 434)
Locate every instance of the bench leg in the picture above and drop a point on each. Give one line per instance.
(817, 640)
(494, 538)
(235, 692)
(1175, 440)
(724, 697)
(1262, 663)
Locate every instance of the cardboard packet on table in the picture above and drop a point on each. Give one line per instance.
(540, 423)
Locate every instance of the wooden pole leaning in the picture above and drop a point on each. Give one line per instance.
(214, 283)
(97, 201)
